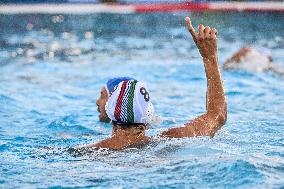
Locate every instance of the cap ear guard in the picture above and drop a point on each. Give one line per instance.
(150, 114)
(146, 108)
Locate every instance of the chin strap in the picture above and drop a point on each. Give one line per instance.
(127, 125)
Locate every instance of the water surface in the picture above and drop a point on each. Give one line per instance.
(52, 68)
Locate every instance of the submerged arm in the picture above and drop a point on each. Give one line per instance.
(216, 108)
(276, 69)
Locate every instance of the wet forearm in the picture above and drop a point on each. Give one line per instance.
(216, 101)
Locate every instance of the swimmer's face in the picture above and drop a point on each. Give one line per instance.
(101, 103)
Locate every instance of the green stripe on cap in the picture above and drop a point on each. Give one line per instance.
(130, 114)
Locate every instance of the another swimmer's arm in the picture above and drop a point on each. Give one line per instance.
(216, 108)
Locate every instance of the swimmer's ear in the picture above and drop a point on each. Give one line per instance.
(143, 128)
(147, 126)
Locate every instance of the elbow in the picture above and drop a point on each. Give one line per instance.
(219, 120)
(219, 115)
(222, 119)
(222, 116)
(224, 113)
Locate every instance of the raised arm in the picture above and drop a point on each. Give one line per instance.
(216, 108)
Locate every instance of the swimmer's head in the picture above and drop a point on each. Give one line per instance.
(129, 104)
(266, 52)
(103, 98)
(249, 59)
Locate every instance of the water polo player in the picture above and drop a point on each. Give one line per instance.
(127, 103)
(254, 60)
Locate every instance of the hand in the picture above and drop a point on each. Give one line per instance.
(205, 39)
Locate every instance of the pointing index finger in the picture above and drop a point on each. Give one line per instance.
(190, 28)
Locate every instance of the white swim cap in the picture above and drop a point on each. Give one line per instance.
(129, 103)
(265, 52)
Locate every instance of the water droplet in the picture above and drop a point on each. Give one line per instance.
(13, 54)
(29, 52)
(66, 35)
(20, 51)
(89, 35)
(51, 54)
(29, 26)
(57, 19)
(55, 46)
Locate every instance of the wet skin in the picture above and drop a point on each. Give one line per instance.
(205, 125)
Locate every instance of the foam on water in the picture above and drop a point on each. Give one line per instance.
(52, 72)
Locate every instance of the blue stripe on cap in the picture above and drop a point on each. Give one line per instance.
(114, 82)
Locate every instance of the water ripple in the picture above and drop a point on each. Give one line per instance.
(52, 70)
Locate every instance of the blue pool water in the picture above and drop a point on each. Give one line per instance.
(53, 66)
